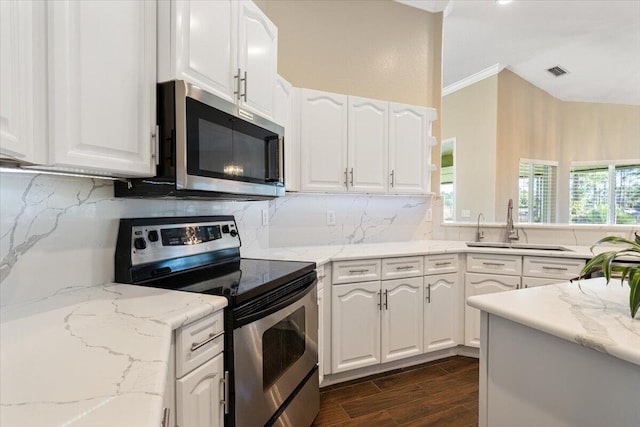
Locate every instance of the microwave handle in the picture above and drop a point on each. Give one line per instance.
(276, 175)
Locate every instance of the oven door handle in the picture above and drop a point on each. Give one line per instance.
(277, 306)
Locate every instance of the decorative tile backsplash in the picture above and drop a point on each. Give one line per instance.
(301, 219)
(58, 232)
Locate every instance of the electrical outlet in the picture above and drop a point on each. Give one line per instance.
(428, 216)
(465, 213)
(331, 217)
(265, 217)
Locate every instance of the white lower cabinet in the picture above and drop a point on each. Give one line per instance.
(355, 326)
(401, 318)
(198, 395)
(481, 284)
(441, 303)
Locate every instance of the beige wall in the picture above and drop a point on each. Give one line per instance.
(371, 48)
(532, 124)
(470, 115)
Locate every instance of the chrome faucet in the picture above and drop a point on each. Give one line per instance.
(512, 233)
(479, 234)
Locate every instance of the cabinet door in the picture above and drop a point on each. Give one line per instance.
(23, 81)
(258, 57)
(199, 395)
(402, 307)
(409, 149)
(102, 56)
(355, 325)
(205, 45)
(368, 145)
(283, 105)
(323, 141)
(481, 284)
(440, 311)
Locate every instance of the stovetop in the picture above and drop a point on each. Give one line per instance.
(239, 281)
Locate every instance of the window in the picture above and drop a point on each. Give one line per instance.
(605, 193)
(447, 179)
(537, 191)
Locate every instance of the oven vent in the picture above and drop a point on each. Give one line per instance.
(557, 71)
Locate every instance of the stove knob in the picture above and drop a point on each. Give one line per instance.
(140, 243)
(153, 236)
(233, 233)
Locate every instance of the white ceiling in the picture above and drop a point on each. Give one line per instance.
(598, 42)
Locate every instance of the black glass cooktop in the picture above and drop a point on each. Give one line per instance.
(239, 281)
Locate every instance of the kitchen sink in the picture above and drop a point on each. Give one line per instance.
(539, 247)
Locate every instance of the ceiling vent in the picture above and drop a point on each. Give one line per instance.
(557, 71)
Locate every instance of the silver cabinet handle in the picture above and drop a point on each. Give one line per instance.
(498, 264)
(404, 267)
(352, 177)
(237, 92)
(225, 392)
(393, 178)
(244, 95)
(165, 417)
(429, 293)
(386, 299)
(545, 267)
(440, 264)
(322, 277)
(212, 336)
(357, 271)
(346, 171)
(379, 294)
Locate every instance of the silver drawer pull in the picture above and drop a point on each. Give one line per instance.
(544, 267)
(497, 264)
(322, 277)
(357, 271)
(440, 264)
(212, 336)
(405, 267)
(165, 417)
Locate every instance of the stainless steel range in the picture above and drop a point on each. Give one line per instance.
(271, 322)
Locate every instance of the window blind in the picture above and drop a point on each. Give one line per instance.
(537, 192)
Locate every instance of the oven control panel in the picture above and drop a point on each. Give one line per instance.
(158, 242)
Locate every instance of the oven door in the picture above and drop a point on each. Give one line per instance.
(272, 356)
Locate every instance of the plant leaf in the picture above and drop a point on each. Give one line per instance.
(634, 294)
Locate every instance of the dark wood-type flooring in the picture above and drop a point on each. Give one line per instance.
(439, 393)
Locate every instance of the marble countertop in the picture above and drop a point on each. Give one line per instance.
(93, 356)
(593, 315)
(325, 254)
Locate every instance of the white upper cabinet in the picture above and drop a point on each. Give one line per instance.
(226, 47)
(23, 81)
(372, 146)
(409, 148)
(323, 141)
(102, 86)
(198, 42)
(368, 142)
(257, 59)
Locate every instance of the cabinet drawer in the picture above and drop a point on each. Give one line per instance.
(356, 271)
(437, 264)
(554, 268)
(198, 342)
(397, 268)
(496, 264)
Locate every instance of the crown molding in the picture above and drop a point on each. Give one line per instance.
(433, 6)
(474, 78)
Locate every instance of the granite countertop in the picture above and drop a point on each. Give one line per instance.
(94, 356)
(325, 254)
(594, 316)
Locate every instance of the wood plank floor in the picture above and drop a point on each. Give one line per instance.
(439, 393)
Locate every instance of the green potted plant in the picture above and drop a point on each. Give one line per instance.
(631, 272)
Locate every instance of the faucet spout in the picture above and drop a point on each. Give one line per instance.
(512, 232)
(479, 234)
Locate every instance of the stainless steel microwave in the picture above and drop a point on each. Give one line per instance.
(211, 148)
